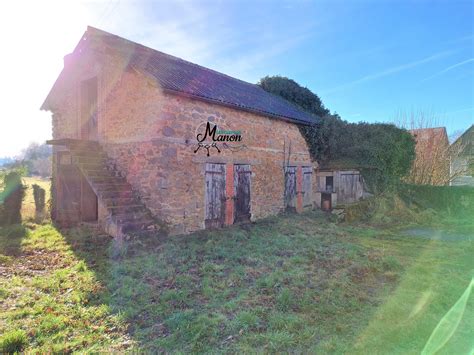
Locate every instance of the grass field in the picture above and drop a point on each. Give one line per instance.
(293, 283)
(28, 211)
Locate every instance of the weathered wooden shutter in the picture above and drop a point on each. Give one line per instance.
(215, 195)
(242, 176)
(307, 185)
(290, 187)
(321, 183)
(350, 188)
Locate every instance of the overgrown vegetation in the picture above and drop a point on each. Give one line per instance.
(431, 165)
(383, 152)
(39, 195)
(452, 200)
(11, 199)
(418, 205)
(29, 210)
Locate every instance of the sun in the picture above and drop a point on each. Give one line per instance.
(34, 35)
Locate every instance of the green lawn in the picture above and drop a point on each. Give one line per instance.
(294, 283)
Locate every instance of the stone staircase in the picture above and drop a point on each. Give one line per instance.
(127, 215)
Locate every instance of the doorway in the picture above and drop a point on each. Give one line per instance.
(76, 201)
(89, 124)
(242, 176)
(326, 201)
(290, 188)
(215, 195)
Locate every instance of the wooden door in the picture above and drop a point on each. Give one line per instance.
(242, 176)
(215, 195)
(307, 185)
(290, 187)
(89, 124)
(350, 187)
(68, 194)
(89, 203)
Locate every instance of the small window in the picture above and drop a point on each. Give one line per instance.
(329, 184)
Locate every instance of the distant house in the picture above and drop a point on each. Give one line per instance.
(462, 159)
(142, 137)
(431, 164)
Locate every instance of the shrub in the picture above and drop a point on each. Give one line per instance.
(13, 341)
(451, 200)
(11, 198)
(39, 195)
(383, 152)
(15, 231)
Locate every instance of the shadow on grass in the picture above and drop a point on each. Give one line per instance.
(10, 239)
(287, 283)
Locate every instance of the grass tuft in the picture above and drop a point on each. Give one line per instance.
(13, 341)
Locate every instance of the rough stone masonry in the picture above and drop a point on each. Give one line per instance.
(150, 135)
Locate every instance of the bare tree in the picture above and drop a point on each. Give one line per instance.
(455, 135)
(431, 163)
(37, 157)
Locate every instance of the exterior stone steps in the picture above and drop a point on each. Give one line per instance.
(97, 174)
(97, 166)
(126, 213)
(112, 186)
(118, 201)
(113, 180)
(112, 194)
(116, 210)
(128, 217)
(137, 226)
(92, 160)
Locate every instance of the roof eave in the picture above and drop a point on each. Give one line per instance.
(236, 107)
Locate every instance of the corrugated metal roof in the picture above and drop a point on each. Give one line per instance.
(180, 76)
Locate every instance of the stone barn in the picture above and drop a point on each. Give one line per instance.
(143, 140)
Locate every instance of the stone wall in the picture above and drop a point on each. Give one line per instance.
(151, 135)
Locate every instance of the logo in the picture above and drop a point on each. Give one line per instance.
(212, 137)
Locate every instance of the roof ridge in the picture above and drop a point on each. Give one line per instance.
(187, 78)
(463, 133)
(422, 129)
(171, 56)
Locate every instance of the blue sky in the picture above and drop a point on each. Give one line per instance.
(367, 60)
